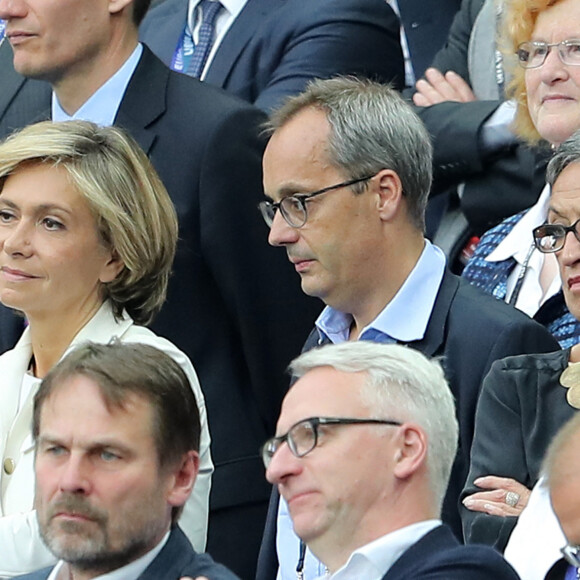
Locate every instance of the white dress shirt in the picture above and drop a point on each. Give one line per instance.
(517, 244)
(374, 560)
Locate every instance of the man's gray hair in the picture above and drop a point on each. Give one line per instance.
(567, 153)
(371, 128)
(403, 385)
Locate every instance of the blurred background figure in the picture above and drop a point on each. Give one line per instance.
(562, 469)
(87, 241)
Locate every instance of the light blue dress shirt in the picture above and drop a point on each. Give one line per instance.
(404, 319)
(102, 106)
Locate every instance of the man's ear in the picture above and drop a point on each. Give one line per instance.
(183, 479)
(412, 451)
(115, 6)
(390, 192)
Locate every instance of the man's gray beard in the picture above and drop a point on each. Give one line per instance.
(86, 546)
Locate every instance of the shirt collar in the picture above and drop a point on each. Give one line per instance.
(102, 106)
(374, 559)
(128, 572)
(406, 316)
(517, 243)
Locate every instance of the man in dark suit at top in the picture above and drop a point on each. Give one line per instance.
(347, 172)
(232, 306)
(266, 50)
(364, 448)
(116, 430)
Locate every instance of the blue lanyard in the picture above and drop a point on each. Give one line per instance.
(2, 27)
(184, 51)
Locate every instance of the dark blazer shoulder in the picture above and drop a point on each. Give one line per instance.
(178, 558)
(439, 556)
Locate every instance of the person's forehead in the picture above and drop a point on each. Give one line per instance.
(304, 135)
(77, 408)
(324, 392)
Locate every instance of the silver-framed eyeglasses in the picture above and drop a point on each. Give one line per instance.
(550, 238)
(303, 436)
(533, 54)
(293, 207)
(571, 554)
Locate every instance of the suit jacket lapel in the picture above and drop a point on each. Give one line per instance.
(434, 338)
(437, 540)
(141, 105)
(11, 80)
(172, 558)
(238, 35)
(170, 18)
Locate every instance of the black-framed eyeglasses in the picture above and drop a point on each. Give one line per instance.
(550, 238)
(302, 437)
(571, 555)
(533, 54)
(293, 207)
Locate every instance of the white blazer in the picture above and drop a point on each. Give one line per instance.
(21, 549)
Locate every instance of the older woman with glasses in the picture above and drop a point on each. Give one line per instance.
(87, 240)
(522, 402)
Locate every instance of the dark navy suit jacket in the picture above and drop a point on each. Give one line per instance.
(469, 330)
(439, 556)
(176, 559)
(274, 47)
(426, 29)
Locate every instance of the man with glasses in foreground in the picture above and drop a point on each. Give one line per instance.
(347, 173)
(364, 448)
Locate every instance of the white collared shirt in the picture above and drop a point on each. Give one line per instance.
(102, 106)
(131, 571)
(374, 560)
(517, 244)
(224, 20)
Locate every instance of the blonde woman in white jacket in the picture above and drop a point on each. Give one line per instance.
(87, 240)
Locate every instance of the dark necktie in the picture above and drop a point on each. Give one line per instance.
(209, 11)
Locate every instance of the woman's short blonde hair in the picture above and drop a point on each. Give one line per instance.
(520, 20)
(133, 212)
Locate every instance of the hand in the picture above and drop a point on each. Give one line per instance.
(493, 502)
(437, 88)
